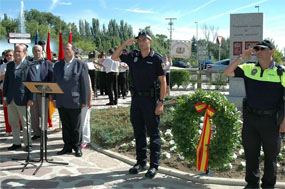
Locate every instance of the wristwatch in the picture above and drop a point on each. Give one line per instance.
(241, 59)
(161, 100)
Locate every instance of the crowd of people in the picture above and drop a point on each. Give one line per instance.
(22, 109)
(149, 84)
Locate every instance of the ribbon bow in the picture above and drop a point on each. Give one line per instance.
(202, 150)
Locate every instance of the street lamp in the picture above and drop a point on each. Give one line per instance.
(257, 8)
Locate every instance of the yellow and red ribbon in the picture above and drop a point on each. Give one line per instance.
(202, 150)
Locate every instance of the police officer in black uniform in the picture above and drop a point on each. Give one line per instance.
(145, 71)
(263, 112)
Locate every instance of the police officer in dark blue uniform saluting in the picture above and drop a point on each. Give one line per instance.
(263, 112)
(147, 99)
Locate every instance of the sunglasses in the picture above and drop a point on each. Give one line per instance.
(9, 55)
(259, 48)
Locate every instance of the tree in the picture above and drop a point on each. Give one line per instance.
(82, 28)
(87, 30)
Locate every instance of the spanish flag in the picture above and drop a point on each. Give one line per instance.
(202, 150)
(51, 108)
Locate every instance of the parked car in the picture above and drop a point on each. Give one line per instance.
(219, 65)
(205, 64)
(180, 64)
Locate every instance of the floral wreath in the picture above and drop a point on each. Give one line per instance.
(225, 125)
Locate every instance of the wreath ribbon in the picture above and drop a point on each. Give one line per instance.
(202, 150)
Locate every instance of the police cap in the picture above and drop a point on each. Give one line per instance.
(264, 44)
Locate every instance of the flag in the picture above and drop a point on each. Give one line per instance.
(51, 108)
(37, 39)
(70, 35)
(60, 48)
(70, 38)
(48, 55)
(202, 150)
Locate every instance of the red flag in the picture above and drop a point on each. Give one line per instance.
(48, 48)
(70, 38)
(48, 55)
(60, 48)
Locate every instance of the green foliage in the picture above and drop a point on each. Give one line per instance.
(111, 126)
(221, 81)
(179, 77)
(186, 122)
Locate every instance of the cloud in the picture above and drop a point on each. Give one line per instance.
(139, 11)
(232, 11)
(53, 4)
(57, 2)
(64, 3)
(198, 8)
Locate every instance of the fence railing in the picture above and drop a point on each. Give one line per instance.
(199, 79)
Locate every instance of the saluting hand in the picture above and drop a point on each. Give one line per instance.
(247, 53)
(130, 42)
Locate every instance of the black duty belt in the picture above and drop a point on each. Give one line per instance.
(142, 93)
(259, 112)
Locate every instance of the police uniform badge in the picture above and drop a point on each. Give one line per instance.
(136, 59)
(163, 65)
(254, 71)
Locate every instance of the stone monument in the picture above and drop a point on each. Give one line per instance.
(245, 31)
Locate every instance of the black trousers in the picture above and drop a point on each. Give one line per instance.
(261, 131)
(92, 74)
(122, 83)
(102, 78)
(112, 86)
(145, 122)
(71, 127)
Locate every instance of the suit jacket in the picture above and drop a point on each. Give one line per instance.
(13, 87)
(75, 84)
(46, 70)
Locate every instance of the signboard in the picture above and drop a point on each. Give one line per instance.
(245, 31)
(180, 49)
(19, 41)
(237, 48)
(250, 44)
(19, 35)
(202, 52)
(219, 40)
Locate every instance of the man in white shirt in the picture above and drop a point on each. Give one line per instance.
(111, 67)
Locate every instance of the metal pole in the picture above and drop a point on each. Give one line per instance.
(219, 52)
(197, 46)
(170, 39)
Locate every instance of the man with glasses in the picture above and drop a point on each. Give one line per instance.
(262, 112)
(146, 73)
(17, 97)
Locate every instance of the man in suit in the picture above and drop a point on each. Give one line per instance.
(44, 74)
(17, 97)
(71, 75)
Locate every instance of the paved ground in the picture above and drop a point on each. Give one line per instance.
(93, 170)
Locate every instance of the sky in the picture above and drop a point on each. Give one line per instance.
(189, 14)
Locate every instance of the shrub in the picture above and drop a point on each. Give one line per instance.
(224, 141)
(179, 77)
(111, 126)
